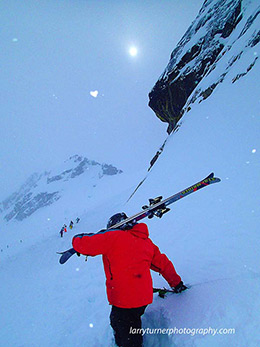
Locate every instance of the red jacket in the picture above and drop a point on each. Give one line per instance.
(128, 256)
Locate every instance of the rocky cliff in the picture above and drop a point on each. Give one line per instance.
(223, 33)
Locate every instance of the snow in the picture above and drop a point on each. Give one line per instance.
(94, 93)
(212, 237)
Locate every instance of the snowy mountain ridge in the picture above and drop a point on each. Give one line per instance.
(44, 189)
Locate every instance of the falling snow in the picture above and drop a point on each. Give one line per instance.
(94, 93)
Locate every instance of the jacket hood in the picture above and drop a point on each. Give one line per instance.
(140, 230)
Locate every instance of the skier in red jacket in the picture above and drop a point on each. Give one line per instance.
(128, 255)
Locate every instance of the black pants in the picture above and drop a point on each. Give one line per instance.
(124, 319)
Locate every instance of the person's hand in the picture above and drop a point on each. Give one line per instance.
(180, 287)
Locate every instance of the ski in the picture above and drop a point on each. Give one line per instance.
(66, 255)
(157, 207)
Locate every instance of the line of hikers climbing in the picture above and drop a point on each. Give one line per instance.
(64, 228)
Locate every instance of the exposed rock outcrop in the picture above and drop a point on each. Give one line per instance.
(219, 26)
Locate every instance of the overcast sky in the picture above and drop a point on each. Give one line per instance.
(54, 53)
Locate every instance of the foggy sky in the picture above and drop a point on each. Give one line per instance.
(53, 53)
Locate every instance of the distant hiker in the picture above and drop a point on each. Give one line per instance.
(61, 232)
(77, 220)
(128, 256)
(71, 224)
(65, 228)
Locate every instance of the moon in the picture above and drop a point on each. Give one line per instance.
(133, 51)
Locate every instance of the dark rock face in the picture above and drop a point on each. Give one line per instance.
(84, 164)
(41, 190)
(110, 170)
(28, 205)
(205, 43)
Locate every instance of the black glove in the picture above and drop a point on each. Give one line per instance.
(180, 287)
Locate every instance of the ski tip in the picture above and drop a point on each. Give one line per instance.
(216, 179)
(62, 260)
(210, 175)
(66, 255)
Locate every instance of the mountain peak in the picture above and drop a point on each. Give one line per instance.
(44, 189)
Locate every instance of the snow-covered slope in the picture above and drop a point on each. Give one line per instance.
(212, 237)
